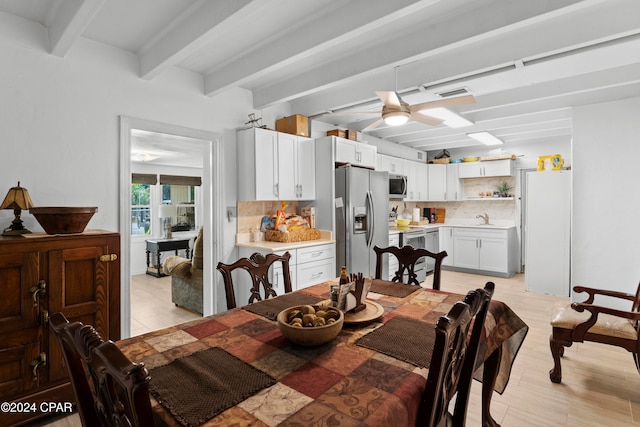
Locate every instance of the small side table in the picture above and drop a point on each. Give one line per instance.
(163, 245)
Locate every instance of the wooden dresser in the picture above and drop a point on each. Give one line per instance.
(78, 275)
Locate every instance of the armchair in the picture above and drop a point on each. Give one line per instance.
(586, 321)
(186, 277)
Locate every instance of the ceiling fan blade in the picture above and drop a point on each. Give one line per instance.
(389, 98)
(373, 125)
(419, 117)
(351, 113)
(445, 102)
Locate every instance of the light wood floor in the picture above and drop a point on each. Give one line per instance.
(600, 385)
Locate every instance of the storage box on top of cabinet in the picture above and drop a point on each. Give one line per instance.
(295, 125)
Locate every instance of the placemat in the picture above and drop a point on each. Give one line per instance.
(198, 387)
(405, 339)
(392, 289)
(270, 307)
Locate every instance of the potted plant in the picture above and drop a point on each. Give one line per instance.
(504, 188)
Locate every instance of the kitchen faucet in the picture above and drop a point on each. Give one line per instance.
(485, 217)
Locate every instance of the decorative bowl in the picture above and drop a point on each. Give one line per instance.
(470, 159)
(309, 335)
(403, 222)
(63, 220)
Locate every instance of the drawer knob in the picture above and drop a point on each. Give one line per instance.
(108, 258)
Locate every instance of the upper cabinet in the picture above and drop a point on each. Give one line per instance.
(355, 153)
(417, 181)
(437, 182)
(275, 166)
(393, 165)
(454, 186)
(485, 168)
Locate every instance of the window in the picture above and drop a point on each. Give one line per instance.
(180, 191)
(141, 203)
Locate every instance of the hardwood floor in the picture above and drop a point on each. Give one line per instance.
(600, 385)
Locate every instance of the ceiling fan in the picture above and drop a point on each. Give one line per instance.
(396, 112)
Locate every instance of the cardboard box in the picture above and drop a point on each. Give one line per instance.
(337, 132)
(352, 134)
(295, 125)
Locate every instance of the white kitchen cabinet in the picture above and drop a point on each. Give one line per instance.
(432, 244)
(417, 181)
(355, 153)
(454, 186)
(308, 266)
(445, 243)
(487, 250)
(437, 182)
(391, 164)
(392, 261)
(275, 166)
(486, 168)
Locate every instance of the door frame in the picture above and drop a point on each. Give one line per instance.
(211, 209)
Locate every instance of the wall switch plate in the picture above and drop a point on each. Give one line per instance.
(232, 212)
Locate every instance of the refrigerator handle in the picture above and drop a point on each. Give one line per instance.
(371, 220)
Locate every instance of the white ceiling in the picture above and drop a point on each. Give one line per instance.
(527, 62)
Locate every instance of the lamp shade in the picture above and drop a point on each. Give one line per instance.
(167, 211)
(17, 198)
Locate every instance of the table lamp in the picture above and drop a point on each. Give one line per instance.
(17, 199)
(167, 212)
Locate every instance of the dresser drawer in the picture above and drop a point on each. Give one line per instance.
(315, 253)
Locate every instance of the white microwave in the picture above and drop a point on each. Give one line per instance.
(397, 186)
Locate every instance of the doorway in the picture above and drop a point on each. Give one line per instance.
(210, 203)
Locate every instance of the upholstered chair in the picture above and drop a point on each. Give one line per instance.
(186, 277)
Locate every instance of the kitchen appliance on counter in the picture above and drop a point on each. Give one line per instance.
(362, 203)
(397, 186)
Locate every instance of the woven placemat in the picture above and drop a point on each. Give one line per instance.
(270, 307)
(198, 387)
(405, 339)
(393, 289)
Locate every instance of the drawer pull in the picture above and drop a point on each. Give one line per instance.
(108, 258)
(316, 254)
(36, 363)
(316, 275)
(36, 290)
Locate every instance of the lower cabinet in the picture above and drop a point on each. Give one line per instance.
(308, 266)
(78, 275)
(392, 261)
(486, 250)
(445, 236)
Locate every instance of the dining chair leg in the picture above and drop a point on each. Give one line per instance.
(489, 377)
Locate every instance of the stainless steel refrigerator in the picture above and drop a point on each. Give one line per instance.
(362, 212)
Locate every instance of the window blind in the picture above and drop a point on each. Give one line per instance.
(144, 178)
(180, 180)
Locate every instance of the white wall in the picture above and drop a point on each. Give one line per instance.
(60, 124)
(606, 196)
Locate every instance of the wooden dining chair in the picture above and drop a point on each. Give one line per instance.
(586, 321)
(109, 388)
(453, 360)
(407, 257)
(257, 265)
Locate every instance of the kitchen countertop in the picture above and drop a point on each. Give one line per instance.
(244, 240)
(395, 230)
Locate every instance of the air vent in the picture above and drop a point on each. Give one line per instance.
(420, 155)
(454, 92)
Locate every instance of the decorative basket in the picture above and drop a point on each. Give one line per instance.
(292, 236)
(443, 161)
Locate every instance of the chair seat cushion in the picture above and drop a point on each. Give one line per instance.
(563, 316)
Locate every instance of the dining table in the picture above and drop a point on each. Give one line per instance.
(236, 368)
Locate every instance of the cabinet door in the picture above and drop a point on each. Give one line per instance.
(445, 237)
(21, 335)
(469, 170)
(466, 250)
(306, 169)
(431, 244)
(287, 159)
(494, 255)
(78, 288)
(393, 165)
(437, 182)
(366, 155)
(266, 164)
(453, 187)
(345, 151)
(497, 168)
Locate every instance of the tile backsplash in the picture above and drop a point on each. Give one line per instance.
(250, 213)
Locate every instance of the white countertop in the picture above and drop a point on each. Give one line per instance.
(244, 240)
(497, 226)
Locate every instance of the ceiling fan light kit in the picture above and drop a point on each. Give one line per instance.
(486, 138)
(396, 118)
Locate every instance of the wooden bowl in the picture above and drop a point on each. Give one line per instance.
(312, 335)
(63, 220)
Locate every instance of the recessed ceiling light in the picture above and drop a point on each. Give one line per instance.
(486, 138)
(449, 118)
